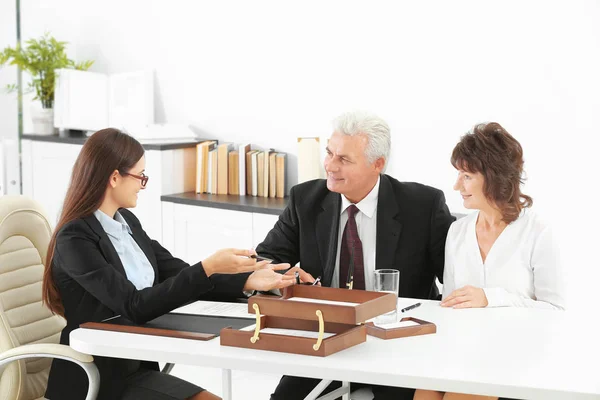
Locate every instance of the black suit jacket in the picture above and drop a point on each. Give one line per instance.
(93, 286)
(412, 224)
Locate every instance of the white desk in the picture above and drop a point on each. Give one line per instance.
(508, 352)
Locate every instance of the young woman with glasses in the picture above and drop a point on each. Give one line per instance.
(100, 263)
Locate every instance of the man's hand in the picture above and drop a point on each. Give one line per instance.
(304, 276)
(466, 297)
(266, 279)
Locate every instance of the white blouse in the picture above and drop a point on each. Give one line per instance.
(522, 269)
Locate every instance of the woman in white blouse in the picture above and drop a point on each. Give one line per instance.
(503, 254)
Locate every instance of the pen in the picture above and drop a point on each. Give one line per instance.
(108, 319)
(260, 258)
(313, 283)
(410, 307)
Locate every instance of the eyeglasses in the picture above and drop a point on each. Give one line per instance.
(143, 177)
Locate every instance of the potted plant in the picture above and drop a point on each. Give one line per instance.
(40, 58)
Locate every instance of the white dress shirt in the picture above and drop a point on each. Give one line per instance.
(366, 222)
(138, 269)
(522, 268)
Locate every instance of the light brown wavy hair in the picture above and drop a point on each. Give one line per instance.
(490, 150)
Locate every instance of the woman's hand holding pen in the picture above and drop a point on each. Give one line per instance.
(235, 261)
(466, 297)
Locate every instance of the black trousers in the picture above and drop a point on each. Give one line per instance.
(295, 388)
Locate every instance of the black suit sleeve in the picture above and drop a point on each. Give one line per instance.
(441, 219)
(282, 242)
(224, 285)
(79, 256)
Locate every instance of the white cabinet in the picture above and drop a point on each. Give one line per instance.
(47, 171)
(192, 233)
(47, 168)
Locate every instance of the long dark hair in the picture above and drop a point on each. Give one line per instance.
(490, 150)
(104, 152)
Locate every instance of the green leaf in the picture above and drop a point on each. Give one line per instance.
(40, 58)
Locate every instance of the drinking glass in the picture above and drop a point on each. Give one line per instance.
(388, 281)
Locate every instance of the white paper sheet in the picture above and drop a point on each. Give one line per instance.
(216, 308)
(399, 324)
(289, 332)
(309, 300)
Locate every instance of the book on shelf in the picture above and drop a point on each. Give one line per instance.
(223, 167)
(244, 149)
(265, 191)
(234, 174)
(280, 166)
(212, 171)
(249, 168)
(272, 174)
(260, 172)
(202, 150)
(209, 188)
(254, 171)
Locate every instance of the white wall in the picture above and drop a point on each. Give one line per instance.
(269, 71)
(9, 129)
(8, 74)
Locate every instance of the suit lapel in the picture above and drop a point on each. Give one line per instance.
(106, 247)
(388, 226)
(327, 225)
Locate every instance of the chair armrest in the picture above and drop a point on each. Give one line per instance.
(50, 350)
(47, 348)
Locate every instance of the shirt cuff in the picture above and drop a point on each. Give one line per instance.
(495, 297)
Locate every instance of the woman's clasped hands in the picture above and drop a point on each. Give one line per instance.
(466, 297)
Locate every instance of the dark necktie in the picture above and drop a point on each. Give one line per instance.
(352, 248)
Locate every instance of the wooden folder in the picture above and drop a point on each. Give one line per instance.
(185, 326)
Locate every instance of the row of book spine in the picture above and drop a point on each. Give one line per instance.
(223, 169)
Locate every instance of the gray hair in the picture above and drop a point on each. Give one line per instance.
(374, 128)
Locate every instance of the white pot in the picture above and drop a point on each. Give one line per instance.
(43, 120)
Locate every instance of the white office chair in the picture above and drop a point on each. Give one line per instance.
(29, 332)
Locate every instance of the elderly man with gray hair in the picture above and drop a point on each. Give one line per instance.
(361, 213)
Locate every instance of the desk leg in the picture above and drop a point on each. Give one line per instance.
(227, 395)
(346, 388)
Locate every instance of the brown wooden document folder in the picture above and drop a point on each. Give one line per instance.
(185, 326)
(344, 321)
(424, 328)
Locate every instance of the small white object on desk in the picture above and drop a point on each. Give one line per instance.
(399, 324)
(289, 332)
(320, 301)
(202, 307)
